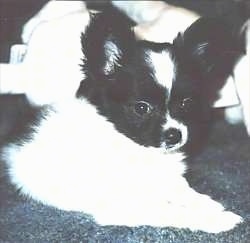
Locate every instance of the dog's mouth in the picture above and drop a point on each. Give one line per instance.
(172, 148)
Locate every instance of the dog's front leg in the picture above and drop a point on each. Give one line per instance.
(182, 207)
(157, 194)
(196, 211)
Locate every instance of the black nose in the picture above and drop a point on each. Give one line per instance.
(173, 136)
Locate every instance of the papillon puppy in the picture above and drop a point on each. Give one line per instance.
(114, 144)
(152, 18)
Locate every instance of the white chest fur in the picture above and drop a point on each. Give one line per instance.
(75, 152)
(78, 161)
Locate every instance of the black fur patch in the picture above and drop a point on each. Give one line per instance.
(204, 56)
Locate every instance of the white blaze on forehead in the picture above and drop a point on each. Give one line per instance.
(163, 68)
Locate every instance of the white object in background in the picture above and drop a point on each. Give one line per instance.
(17, 53)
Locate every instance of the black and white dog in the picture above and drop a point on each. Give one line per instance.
(113, 144)
(154, 17)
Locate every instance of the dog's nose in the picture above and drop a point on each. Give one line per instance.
(172, 136)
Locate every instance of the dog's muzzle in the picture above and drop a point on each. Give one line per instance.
(172, 136)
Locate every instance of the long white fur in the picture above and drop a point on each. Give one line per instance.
(94, 169)
(76, 159)
(113, 55)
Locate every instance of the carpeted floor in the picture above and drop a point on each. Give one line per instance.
(222, 170)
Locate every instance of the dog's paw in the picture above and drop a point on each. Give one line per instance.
(199, 212)
(210, 217)
(216, 222)
(183, 208)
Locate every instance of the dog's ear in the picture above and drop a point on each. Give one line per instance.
(209, 49)
(106, 44)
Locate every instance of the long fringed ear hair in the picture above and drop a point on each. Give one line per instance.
(209, 49)
(106, 44)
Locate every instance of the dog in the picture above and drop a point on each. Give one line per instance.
(111, 131)
(153, 17)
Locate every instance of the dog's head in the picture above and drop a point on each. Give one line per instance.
(157, 94)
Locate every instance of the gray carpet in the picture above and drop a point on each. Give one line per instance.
(222, 170)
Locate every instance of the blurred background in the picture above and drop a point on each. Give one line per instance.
(14, 13)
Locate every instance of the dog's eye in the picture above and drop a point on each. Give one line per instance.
(186, 104)
(142, 108)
